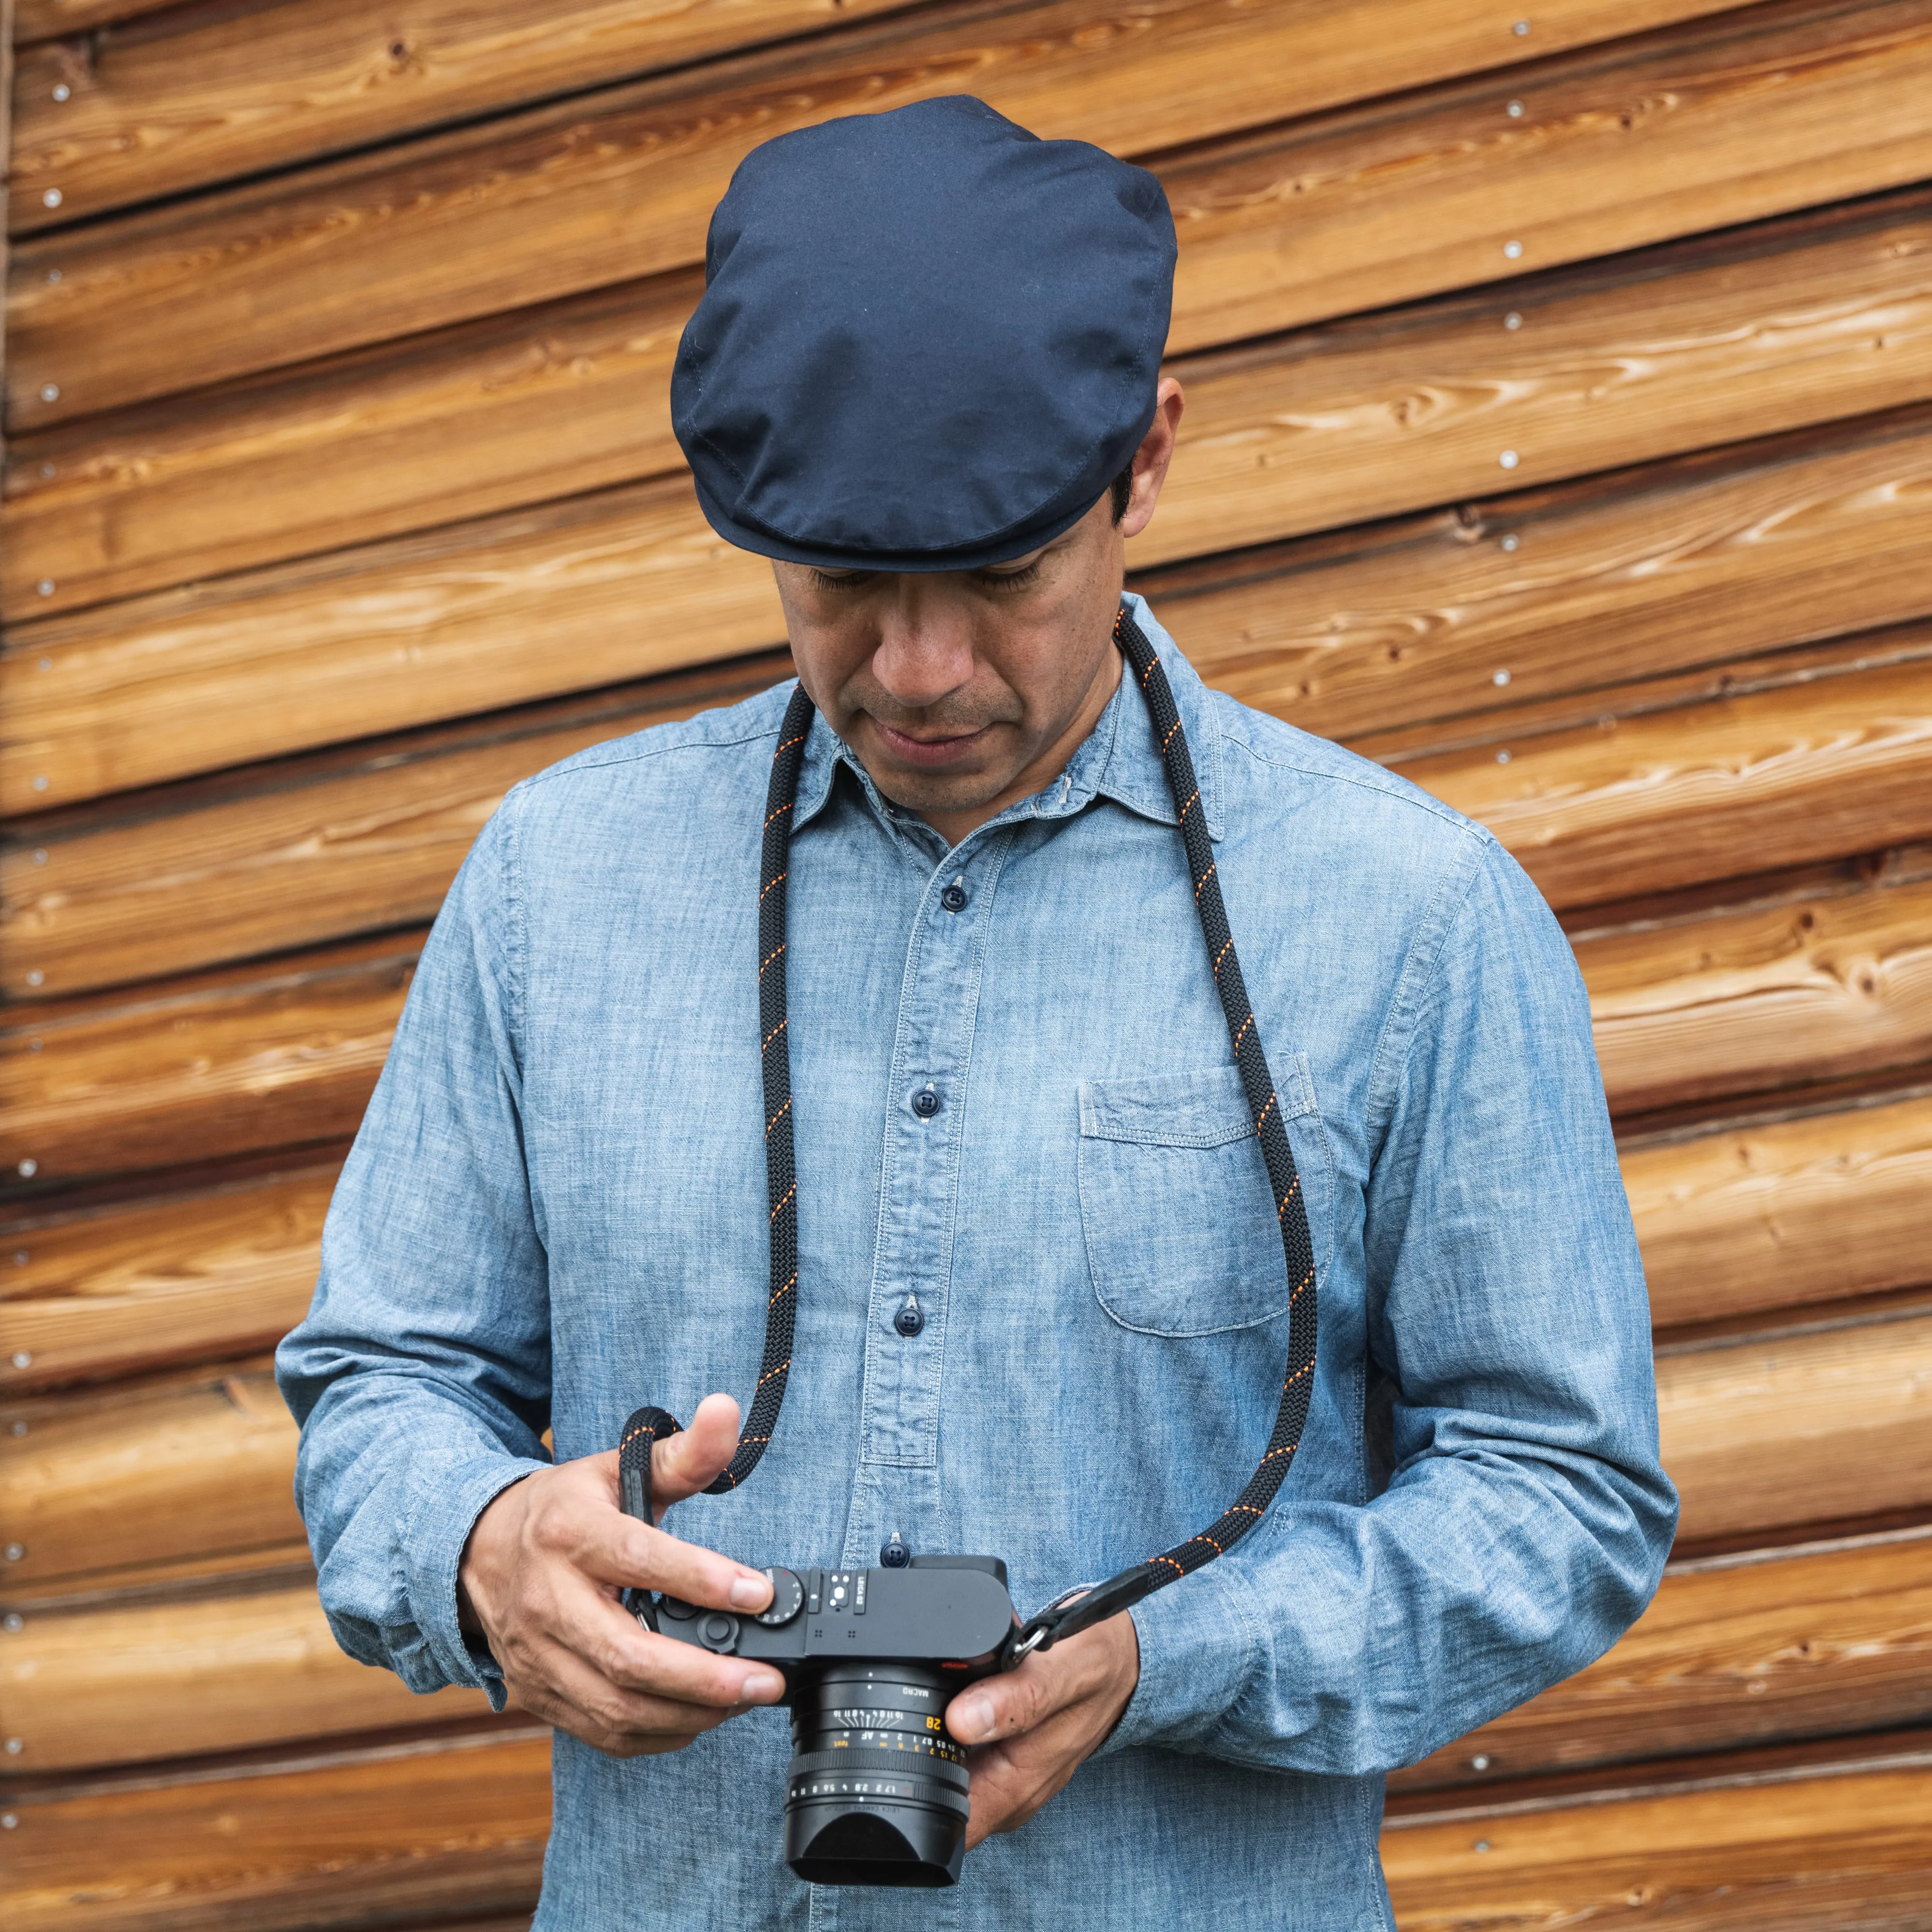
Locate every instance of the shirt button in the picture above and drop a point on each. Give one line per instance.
(910, 1317)
(954, 897)
(925, 1103)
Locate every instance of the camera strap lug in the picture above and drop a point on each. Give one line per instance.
(1078, 1609)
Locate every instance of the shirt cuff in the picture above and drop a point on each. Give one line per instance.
(1201, 1642)
(448, 1503)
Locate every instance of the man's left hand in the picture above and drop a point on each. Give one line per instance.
(1032, 1728)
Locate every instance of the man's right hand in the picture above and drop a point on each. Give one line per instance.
(539, 1583)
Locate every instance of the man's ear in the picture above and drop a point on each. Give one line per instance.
(1151, 459)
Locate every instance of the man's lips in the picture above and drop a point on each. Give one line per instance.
(929, 750)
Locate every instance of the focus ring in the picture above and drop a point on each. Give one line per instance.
(861, 1761)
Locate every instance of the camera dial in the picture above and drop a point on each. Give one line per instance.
(788, 1599)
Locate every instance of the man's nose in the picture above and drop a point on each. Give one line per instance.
(925, 651)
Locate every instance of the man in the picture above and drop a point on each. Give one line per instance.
(1040, 1298)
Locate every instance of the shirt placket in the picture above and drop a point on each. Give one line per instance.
(911, 1301)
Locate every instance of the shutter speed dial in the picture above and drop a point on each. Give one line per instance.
(788, 1599)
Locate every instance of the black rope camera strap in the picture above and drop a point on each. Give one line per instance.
(1077, 1609)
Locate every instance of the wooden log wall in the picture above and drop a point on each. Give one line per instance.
(1559, 433)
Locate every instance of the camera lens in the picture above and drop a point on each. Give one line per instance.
(876, 1794)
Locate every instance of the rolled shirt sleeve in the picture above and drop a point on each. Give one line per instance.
(1527, 1517)
(420, 1377)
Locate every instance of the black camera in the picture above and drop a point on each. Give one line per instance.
(876, 1792)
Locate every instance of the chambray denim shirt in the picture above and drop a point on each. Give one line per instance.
(556, 1211)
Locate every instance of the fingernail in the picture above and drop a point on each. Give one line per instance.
(970, 1719)
(750, 1591)
(763, 1686)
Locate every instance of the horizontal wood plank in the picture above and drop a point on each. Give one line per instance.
(230, 1063)
(97, 1687)
(1762, 995)
(1650, 800)
(1732, 1222)
(1691, 561)
(101, 1482)
(1696, 126)
(1826, 1206)
(301, 857)
(573, 595)
(1812, 1427)
(1815, 1642)
(1617, 362)
(201, 96)
(1624, 576)
(41, 19)
(371, 1838)
(1745, 998)
(1842, 1846)
(1759, 1435)
(187, 1277)
(1662, 789)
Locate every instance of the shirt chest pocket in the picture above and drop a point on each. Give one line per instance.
(1175, 1205)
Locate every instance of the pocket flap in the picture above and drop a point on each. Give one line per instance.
(1204, 1109)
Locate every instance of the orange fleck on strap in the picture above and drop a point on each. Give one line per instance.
(1265, 1111)
(1203, 879)
(772, 885)
(779, 1115)
(1187, 804)
(779, 1371)
(775, 1031)
(778, 814)
(774, 1301)
(1243, 1034)
(769, 957)
(784, 1200)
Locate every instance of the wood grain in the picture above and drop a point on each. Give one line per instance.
(228, 1064)
(1650, 800)
(1840, 1846)
(1760, 1435)
(514, 409)
(1615, 362)
(1814, 534)
(1812, 1427)
(1663, 789)
(1732, 1222)
(579, 593)
(198, 97)
(1621, 577)
(92, 1687)
(1813, 1642)
(1826, 1206)
(101, 1482)
(1696, 126)
(301, 856)
(372, 1838)
(1749, 998)
(1611, 363)
(184, 1277)
(41, 20)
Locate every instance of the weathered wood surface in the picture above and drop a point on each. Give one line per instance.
(1696, 126)
(1627, 575)
(302, 855)
(1796, 322)
(514, 409)
(1654, 800)
(1732, 1222)
(228, 1064)
(456, 1826)
(1839, 1846)
(1760, 1435)
(1743, 999)
(1823, 1207)
(1814, 534)
(120, 1477)
(1813, 1642)
(574, 594)
(194, 98)
(193, 1276)
(1789, 988)
(41, 20)
(1815, 1427)
(1662, 788)
(195, 1676)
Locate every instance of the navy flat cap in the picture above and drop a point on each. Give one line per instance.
(928, 340)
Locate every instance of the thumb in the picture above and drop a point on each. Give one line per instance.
(685, 1463)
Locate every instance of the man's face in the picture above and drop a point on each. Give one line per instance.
(962, 692)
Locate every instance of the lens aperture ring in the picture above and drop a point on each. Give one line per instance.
(913, 1765)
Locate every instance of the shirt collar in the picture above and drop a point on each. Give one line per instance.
(1119, 758)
